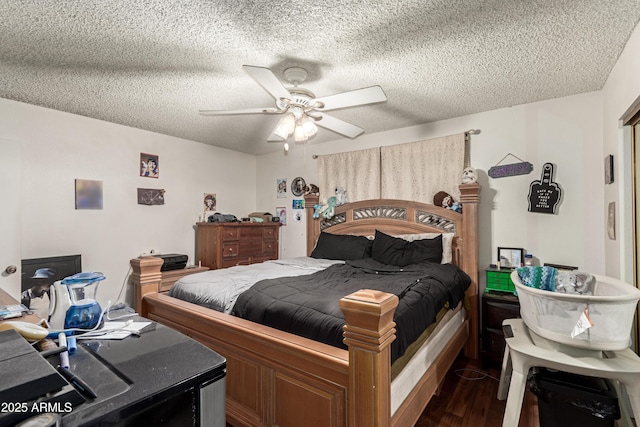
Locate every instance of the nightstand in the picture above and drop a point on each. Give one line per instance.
(496, 307)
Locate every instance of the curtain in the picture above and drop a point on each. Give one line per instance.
(358, 172)
(418, 170)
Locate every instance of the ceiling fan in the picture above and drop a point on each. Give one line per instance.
(303, 111)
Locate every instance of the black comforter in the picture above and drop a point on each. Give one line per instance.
(309, 305)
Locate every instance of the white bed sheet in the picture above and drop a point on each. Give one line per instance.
(219, 289)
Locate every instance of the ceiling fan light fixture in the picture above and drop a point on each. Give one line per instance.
(309, 127)
(299, 134)
(297, 112)
(285, 126)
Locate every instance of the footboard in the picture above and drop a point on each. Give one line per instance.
(276, 378)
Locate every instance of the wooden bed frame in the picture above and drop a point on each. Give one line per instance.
(278, 379)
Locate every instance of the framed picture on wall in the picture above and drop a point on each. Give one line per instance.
(149, 165)
(608, 169)
(510, 257)
(281, 187)
(281, 212)
(89, 194)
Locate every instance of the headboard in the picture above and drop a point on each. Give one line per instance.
(395, 217)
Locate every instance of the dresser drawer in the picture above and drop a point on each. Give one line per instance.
(269, 247)
(251, 233)
(494, 344)
(232, 262)
(230, 250)
(229, 234)
(497, 312)
(496, 307)
(269, 233)
(250, 247)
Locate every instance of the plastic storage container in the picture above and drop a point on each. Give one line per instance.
(566, 399)
(554, 315)
(499, 280)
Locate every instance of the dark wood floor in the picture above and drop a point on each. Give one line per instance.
(473, 402)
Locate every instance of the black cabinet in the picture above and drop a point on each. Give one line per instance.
(496, 307)
(159, 378)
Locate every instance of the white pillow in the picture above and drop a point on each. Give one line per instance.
(447, 242)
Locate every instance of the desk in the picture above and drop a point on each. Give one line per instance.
(524, 351)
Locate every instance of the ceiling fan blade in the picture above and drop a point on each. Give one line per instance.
(339, 126)
(268, 81)
(269, 110)
(275, 138)
(368, 95)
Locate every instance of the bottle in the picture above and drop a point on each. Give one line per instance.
(528, 260)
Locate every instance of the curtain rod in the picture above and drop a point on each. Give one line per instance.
(466, 136)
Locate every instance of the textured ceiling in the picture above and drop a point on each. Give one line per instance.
(153, 64)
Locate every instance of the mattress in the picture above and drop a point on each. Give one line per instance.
(408, 377)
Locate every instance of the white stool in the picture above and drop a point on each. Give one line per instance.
(525, 350)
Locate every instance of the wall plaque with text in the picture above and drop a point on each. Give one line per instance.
(544, 194)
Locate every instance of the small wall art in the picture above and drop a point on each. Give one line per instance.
(281, 212)
(149, 165)
(544, 194)
(608, 169)
(209, 202)
(297, 186)
(150, 196)
(281, 185)
(611, 221)
(500, 171)
(88, 194)
(298, 204)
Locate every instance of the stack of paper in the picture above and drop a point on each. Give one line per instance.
(11, 311)
(115, 330)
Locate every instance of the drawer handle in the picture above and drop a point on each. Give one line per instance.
(230, 249)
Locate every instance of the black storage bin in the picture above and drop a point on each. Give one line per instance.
(566, 399)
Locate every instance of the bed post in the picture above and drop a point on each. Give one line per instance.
(146, 278)
(470, 199)
(313, 225)
(369, 332)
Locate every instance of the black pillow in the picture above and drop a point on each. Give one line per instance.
(342, 246)
(399, 252)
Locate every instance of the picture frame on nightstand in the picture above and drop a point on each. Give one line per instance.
(510, 257)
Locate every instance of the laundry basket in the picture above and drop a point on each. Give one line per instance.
(554, 315)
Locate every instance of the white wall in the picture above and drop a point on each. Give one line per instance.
(619, 93)
(57, 148)
(574, 133)
(566, 132)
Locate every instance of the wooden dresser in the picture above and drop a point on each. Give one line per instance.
(222, 245)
